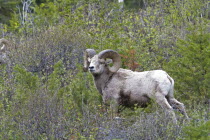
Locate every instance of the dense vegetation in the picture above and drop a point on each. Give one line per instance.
(44, 93)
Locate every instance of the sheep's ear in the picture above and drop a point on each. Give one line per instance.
(109, 61)
(111, 55)
(106, 61)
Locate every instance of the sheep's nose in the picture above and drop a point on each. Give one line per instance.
(91, 67)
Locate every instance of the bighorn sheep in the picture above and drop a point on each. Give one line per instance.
(3, 54)
(126, 87)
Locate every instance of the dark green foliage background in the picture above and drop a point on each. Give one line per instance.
(44, 94)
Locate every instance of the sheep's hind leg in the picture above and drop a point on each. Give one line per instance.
(177, 105)
(162, 101)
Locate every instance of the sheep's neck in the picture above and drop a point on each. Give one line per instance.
(102, 80)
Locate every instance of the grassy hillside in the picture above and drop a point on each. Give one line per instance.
(44, 94)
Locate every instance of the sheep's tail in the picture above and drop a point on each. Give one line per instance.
(171, 90)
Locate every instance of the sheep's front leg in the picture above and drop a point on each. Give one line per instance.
(162, 101)
(113, 104)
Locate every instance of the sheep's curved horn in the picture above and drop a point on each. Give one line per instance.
(89, 53)
(5, 43)
(112, 55)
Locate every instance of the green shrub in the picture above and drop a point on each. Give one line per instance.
(197, 131)
(190, 65)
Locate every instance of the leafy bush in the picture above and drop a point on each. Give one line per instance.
(190, 64)
(197, 131)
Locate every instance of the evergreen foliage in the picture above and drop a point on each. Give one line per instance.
(190, 64)
(198, 132)
(7, 7)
